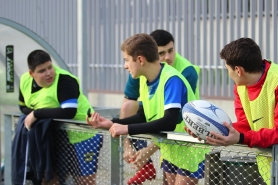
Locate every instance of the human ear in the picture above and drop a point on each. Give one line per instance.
(239, 70)
(141, 60)
(31, 73)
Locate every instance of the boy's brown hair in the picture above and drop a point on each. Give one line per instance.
(141, 44)
(243, 52)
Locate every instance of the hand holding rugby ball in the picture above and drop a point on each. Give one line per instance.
(203, 117)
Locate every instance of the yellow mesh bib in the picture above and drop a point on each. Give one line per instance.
(260, 112)
(185, 157)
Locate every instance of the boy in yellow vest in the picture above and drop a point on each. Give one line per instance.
(256, 97)
(168, 54)
(47, 91)
(163, 92)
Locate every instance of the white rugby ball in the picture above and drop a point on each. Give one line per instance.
(203, 117)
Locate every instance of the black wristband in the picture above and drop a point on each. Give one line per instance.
(241, 138)
(35, 113)
(115, 120)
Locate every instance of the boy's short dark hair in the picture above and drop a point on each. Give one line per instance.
(36, 58)
(141, 44)
(243, 52)
(162, 37)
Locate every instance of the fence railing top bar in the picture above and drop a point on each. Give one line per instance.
(246, 149)
(177, 136)
(14, 114)
(77, 126)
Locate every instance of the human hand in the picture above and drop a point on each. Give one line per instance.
(220, 140)
(191, 133)
(98, 121)
(117, 129)
(141, 157)
(29, 120)
(129, 153)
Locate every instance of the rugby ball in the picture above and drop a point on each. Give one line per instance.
(203, 117)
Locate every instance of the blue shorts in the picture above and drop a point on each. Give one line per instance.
(139, 144)
(170, 168)
(87, 153)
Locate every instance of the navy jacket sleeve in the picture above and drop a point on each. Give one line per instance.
(38, 150)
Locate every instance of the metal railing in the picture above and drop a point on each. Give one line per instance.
(222, 165)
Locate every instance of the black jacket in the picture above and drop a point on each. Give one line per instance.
(39, 150)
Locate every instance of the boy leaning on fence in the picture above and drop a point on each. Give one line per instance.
(168, 54)
(163, 92)
(47, 91)
(256, 97)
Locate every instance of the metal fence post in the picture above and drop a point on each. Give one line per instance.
(274, 170)
(8, 149)
(115, 161)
